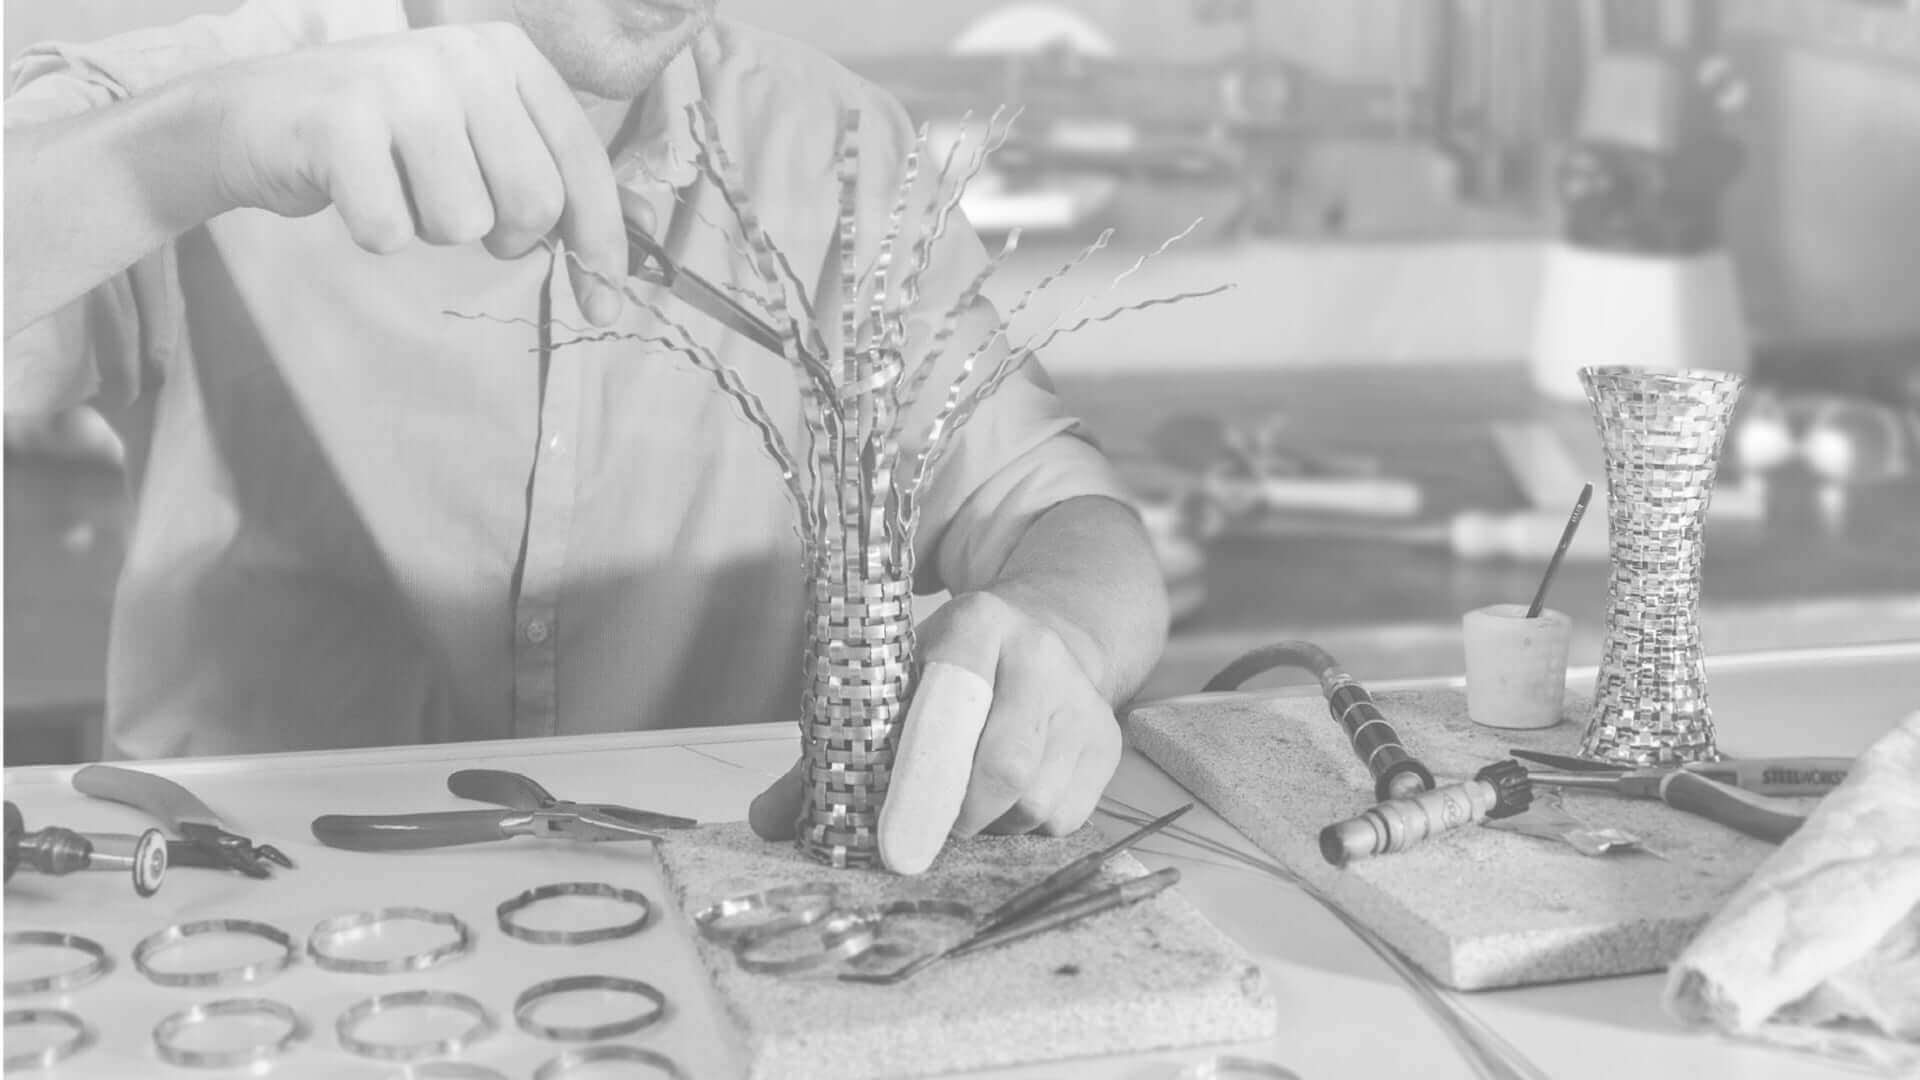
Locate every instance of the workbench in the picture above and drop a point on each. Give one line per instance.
(1341, 1012)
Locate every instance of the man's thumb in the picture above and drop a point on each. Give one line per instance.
(776, 811)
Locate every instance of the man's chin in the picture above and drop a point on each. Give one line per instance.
(629, 69)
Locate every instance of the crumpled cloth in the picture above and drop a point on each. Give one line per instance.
(1820, 949)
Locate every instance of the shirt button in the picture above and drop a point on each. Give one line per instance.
(537, 631)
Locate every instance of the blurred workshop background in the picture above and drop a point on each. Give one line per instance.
(1434, 210)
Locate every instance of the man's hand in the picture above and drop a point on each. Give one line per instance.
(451, 134)
(1047, 748)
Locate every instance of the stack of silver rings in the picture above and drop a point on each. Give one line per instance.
(176, 1043)
(796, 929)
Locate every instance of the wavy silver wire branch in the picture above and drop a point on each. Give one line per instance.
(734, 195)
(1108, 316)
(1143, 260)
(887, 324)
(517, 320)
(816, 426)
(908, 390)
(1488, 1052)
(751, 406)
(1015, 359)
(736, 243)
(819, 400)
(952, 401)
(719, 169)
(846, 152)
(989, 145)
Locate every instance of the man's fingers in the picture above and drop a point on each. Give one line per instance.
(590, 220)
(1045, 788)
(363, 183)
(776, 811)
(937, 739)
(1099, 756)
(527, 194)
(451, 204)
(1011, 760)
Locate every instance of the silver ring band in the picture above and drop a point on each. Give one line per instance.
(97, 965)
(344, 1028)
(507, 910)
(82, 1036)
(330, 932)
(1233, 1066)
(245, 973)
(572, 1060)
(530, 999)
(167, 1033)
(448, 1070)
(790, 906)
(842, 936)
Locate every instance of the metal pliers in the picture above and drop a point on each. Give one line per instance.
(522, 792)
(1763, 817)
(534, 812)
(202, 842)
(1762, 776)
(649, 261)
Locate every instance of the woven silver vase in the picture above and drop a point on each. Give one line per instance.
(860, 670)
(1661, 432)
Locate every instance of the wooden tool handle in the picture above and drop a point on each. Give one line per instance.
(1755, 815)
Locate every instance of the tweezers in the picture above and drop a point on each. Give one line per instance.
(649, 262)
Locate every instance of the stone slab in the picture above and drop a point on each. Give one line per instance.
(1152, 976)
(1476, 908)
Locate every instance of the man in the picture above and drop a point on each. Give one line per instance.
(364, 519)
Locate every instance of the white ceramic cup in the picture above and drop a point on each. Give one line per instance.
(1516, 666)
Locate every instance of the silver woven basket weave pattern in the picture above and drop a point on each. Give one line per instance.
(860, 676)
(1661, 432)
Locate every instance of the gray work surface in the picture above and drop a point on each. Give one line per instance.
(1475, 908)
(1151, 976)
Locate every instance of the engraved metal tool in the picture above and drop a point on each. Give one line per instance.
(1497, 791)
(54, 850)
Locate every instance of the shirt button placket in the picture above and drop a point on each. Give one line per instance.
(536, 675)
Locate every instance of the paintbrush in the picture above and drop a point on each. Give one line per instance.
(1559, 553)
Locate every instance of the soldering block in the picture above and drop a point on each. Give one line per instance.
(1154, 975)
(1476, 908)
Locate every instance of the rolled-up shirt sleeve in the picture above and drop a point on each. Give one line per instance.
(91, 350)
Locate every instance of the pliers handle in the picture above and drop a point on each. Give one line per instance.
(522, 792)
